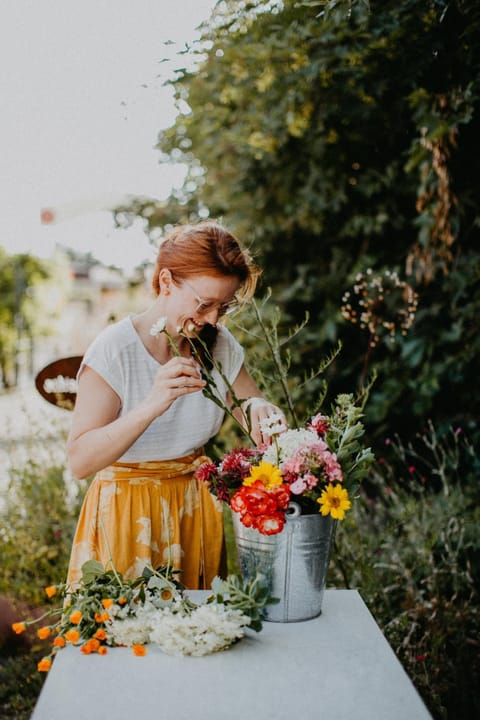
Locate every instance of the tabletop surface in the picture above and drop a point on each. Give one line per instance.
(338, 666)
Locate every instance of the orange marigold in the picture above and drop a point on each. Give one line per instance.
(101, 617)
(72, 636)
(139, 650)
(44, 632)
(60, 641)
(19, 628)
(100, 634)
(75, 617)
(107, 603)
(90, 646)
(102, 650)
(44, 664)
(51, 590)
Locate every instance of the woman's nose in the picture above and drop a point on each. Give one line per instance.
(212, 316)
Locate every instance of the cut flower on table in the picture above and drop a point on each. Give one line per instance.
(106, 610)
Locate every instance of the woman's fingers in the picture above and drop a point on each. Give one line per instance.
(266, 420)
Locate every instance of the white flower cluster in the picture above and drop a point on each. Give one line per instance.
(132, 630)
(286, 444)
(207, 629)
(274, 424)
(201, 631)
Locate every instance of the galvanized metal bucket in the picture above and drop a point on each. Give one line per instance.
(294, 563)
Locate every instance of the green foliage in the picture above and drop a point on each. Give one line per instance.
(37, 522)
(20, 685)
(336, 136)
(412, 548)
(38, 513)
(23, 310)
(251, 597)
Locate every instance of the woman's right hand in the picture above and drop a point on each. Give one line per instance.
(178, 377)
(99, 435)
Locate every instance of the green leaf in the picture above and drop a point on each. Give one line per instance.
(91, 570)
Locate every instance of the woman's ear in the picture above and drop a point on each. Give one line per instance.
(165, 281)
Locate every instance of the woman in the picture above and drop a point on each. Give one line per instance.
(141, 419)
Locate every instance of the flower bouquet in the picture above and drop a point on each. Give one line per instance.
(317, 468)
(107, 610)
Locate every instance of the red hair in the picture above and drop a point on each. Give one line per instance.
(206, 249)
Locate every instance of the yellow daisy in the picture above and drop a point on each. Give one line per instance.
(334, 501)
(270, 475)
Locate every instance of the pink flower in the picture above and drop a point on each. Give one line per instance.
(310, 481)
(238, 462)
(332, 467)
(206, 472)
(319, 423)
(294, 465)
(298, 486)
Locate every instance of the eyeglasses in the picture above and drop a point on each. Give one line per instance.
(206, 306)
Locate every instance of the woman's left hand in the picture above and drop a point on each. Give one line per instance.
(266, 419)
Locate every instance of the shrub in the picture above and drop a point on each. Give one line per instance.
(412, 549)
(37, 517)
(38, 513)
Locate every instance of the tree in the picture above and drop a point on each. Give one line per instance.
(337, 136)
(20, 310)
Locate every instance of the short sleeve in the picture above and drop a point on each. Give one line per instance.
(103, 357)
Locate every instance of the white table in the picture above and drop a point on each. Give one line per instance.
(338, 667)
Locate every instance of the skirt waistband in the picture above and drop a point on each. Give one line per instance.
(158, 469)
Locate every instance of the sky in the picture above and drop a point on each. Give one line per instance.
(82, 102)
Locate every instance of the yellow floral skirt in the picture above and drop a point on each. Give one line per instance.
(151, 513)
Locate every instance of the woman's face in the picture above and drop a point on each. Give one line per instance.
(203, 299)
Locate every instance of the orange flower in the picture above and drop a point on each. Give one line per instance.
(102, 650)
(100, 634)
(51, 590)
(139, 650)
(101, 617)
(122, 600)
(90, 646)
(19, 628)
(60, 641)
(75, 617)
(107, 603)
(166, 594)
(44, 632)
(44, 665)
(72, 636)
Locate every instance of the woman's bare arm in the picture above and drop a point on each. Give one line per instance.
(98, 436)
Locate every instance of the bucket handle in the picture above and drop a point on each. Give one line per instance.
(293, 510)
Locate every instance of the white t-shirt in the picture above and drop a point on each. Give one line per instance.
(122, 360)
